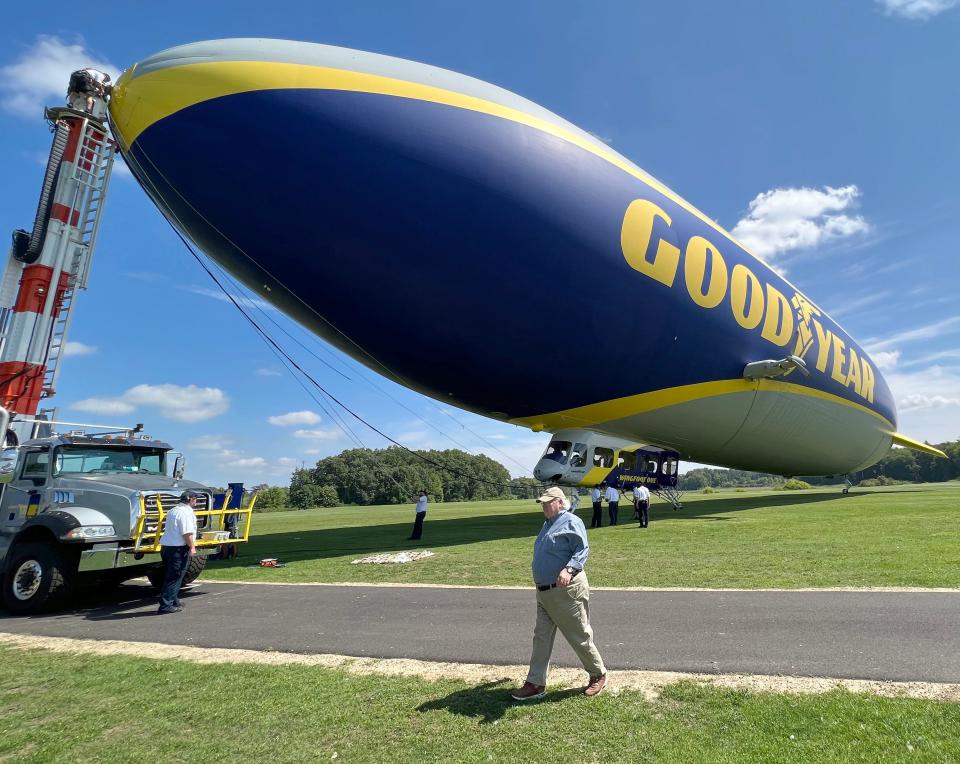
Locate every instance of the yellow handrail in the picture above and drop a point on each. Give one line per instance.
(140, 532)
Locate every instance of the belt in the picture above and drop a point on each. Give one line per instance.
(548, 587)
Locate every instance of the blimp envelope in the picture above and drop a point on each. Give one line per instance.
(472, 245)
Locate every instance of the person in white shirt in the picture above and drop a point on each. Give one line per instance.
(177, 545)
(421, 516)
(641, 504)
(612, 496)
(595, 522)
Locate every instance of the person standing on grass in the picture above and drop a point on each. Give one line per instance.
(612, 496)
(641, 504)
(177, 545)
(421, 511)
(563, 598)
(596, 520)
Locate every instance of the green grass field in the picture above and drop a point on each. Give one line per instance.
(60, 708)
(890, 536)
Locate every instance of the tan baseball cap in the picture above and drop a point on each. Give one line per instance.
(552, 493)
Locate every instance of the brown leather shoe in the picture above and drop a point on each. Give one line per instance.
(597, 683)
(529, 691)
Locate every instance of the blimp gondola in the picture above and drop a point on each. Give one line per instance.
(587, 459)
(472, 245)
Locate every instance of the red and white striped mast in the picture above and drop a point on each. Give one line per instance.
(47, 266)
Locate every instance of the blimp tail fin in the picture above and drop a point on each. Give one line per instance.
(916, 445)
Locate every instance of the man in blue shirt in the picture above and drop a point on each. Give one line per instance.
(563, 597)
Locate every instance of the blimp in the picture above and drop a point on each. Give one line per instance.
(467, 243)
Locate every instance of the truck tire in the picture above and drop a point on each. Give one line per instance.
(195, 566)
(40, 577)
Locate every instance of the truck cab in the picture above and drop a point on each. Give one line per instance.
(78, 506)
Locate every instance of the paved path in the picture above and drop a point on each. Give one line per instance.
(905, 636)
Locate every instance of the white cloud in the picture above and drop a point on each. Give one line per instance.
(182, 404)
(943, 355)
(249, 461)
(78, 348)
(294, 417)
(209, 443)
(265, 372)
(920, 333)
(886, 359)
(103, 406)
(243, 301)
(911, 402)
(928, 402)
(39, 77)
(317, 434)
(917, 9)
(785, 219)
(312, 451)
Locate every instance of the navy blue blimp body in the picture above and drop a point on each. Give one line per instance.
(478, 248)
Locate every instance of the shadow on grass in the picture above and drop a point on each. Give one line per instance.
(439, 532)
(488, 702)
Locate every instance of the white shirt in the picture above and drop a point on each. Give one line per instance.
(596, 494)
(612, 494)
(180, 520)
(641, 493)
(421, 504)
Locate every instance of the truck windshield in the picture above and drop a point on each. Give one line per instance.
(86, 460)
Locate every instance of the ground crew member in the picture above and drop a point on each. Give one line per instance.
(641, 504)
(177, 545)
(612, 496)
(595, 521)
(421, 516)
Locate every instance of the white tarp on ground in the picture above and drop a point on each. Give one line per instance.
(387, 558)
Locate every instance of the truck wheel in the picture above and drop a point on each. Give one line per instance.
(195, 566)
(39, 578)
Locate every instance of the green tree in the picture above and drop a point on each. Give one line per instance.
(273, 496)
(306, 496)
(525, 488)
(327, 496)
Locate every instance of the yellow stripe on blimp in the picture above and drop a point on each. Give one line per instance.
(138, 102)
(620, 408)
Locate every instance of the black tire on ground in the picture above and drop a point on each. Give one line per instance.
(195, 566)
(40, 577)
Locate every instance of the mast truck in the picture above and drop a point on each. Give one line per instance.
(76, 505)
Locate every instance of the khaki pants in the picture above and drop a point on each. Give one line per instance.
(566, 609)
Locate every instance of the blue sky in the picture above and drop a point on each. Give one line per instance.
(823, 134)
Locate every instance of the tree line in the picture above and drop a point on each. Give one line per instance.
(394, 476)
(899, 465)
